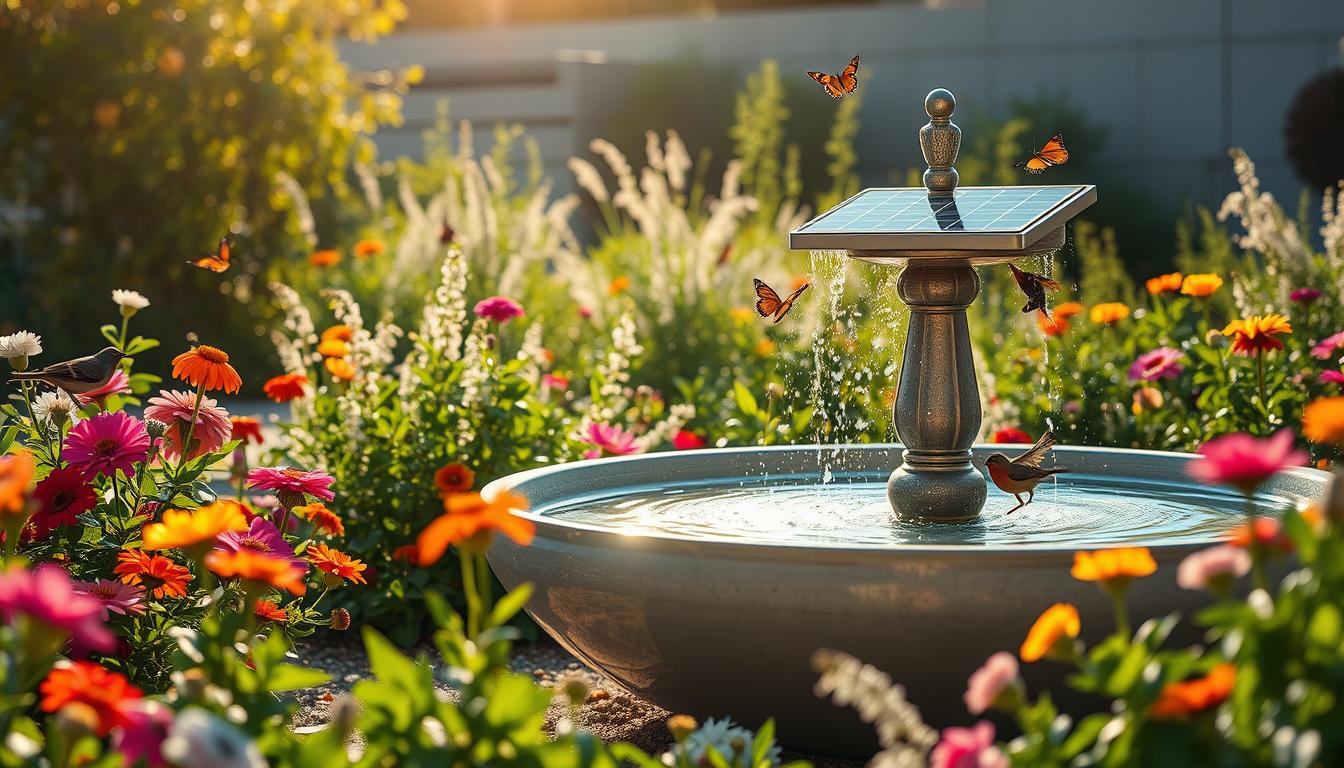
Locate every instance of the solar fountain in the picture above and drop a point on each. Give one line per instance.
(704, 580)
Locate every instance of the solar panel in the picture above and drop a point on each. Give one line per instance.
(973, 218)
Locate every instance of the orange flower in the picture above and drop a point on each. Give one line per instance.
(1067, 310)
(454, 478)
(765, 347)
(104, 692)
(1178, 701)
(250, 565)
(1052, 326)
(408, 553)
(336, 563)
(330, 348)
(1201, 286)
(267, 610)
(1323, 421)
(16, 472)
(340, 368)
(286, 387)
(1113, 567)
(325, 258)
(741, 314)
(322, 518)
(1267, 532)
(1257, 334)
(798, 282)
(618, 286)
(366, 248)
(1058, 625)
(208, 367)
(1109, 313)
(1169, 283)
(245, 428)
(339, 333)
(159, 576)
(1146, 399)
(468, 516)
(188, 530)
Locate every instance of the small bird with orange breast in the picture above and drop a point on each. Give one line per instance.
(1022, 474)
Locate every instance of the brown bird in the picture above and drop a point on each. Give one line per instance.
(1022, 474)
(1033, 287)
(78, 376)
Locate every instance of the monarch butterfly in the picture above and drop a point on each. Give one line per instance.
(447, 234)
(768, 302)
(1053, 153)
(839, 85)
(215, 262)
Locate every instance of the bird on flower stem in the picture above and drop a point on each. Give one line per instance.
(1022, 474)
(78, 376)
(1033, 287)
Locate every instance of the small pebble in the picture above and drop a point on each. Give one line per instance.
(599, 694)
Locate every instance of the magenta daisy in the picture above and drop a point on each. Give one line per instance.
(1332, 377)
(609, 439)
(1328, 346)
(116, 597)
(1161, 363)
(263, 537)
(119, 384)
(174, 408)
(46, 595)
(291, 484)
(1244, 462)
(61, 496)
(499, 309)
(1305, 295)
(105, 444)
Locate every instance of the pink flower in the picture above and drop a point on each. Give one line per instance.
(105, 444)
(555, 381)
(141, 736)
(1327, 347)
(119, 384)
(968, 748)
(1214, 568)
(611, 439)
(499, 309)
(1161, 363)
(1244, 462)
(116, 597)
(687, 441)
(1305, 295)
(1331, 377)
(585, 313)
(47, 596)
(295, 482)
(174, 408)
(991, 679)
(261, 536)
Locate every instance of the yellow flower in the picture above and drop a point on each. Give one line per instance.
(1169, 283)
(1256, 334)
(1113, 567)
(1201, 286)
(190, 529)
(1052, 633)
(1109, 313)
(741, 314)
(1323, 421)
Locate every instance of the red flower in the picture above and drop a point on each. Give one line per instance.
(1011, 435)
(407, 553)
(61, 496)
(286, 387)
(1266, 532)
(106, 693)
(454, 478)
(267, 610)
(245, 428)
(686, 441)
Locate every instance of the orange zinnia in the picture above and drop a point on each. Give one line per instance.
(188, 530)
(468, 515)
(1178, 701)
(159, 576)
(339, 333)
(16, 472)
(1113, 566)
(1257, 334)
(322, 518)
(1052, 326)
(340, 368)
(1059, 624)
(1109, 313)
(454, 478)
(104, 692)
(366, 248)
(336, 563)
(1169, 283)
(1201, 286)
(267, 610)
(208, 367)
(250, 565)
(1068, 309)
(325, 258)
(333, 347)
(618, 286)
(1323, 421)
(286, 387)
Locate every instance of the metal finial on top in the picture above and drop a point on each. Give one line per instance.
(940, 140)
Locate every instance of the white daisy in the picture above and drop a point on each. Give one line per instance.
(54, 407)
(132, 301)
(20, 345)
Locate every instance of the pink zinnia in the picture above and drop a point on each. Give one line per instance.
(105, 444)
(140, 738)
(1214, 568)
(310, 482)
(1161, 363)
(611, 439)
(968, 748)
(1328, 346)
(119, 384)
(1244, 462)
(115, 596)
(555, 381)
(46, 595)
(1305, 295)
(991, 679)
(173, 407)
(264, 538)
(499, 309)
(1332, 377)
(687, 441)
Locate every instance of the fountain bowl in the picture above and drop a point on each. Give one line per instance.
(723, 623)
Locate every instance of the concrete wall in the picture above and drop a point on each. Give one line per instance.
(1175, 81)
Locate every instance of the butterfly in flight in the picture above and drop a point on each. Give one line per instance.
(215, 262)
(447, 234)
(1052, 154)
(841, 84)
(769, 304)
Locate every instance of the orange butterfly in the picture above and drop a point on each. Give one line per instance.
(768, 302)
(1053, 153)
(217, 261)
(839, 85)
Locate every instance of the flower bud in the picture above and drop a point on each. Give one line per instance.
(155, 428)
(681, 727)
(575, 688)
(76, 720)
(290, 499)
(340, 619)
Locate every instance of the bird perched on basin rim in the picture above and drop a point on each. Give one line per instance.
(78, 376)
(1022, 474)
(1033, 287)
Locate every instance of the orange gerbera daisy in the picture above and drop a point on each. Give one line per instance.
(250, 565)
(1201, 286)
(194, 529)
(618, 286)
(334, 562)
(325, 258)
(330, 348)
(1109, 313)
(286, 387)
(159, 576)
(104, 692)
(267, 610)
(1323, 421)
(322, 518)
(208, 367)
(1169, 283)
(366, 248)
(1178, 701)
(16, 472)
(1257, 334)
(340, 368)
(454, 478)
(470, 518)
(1052, 634)
(1113, 567)
(339, 333)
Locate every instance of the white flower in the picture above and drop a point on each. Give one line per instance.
(20, 344)
(55, 407)
(201, 740)
(727, 738)
(132, 300)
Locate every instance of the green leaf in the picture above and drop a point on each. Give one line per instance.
(509, 605)
(746, 402)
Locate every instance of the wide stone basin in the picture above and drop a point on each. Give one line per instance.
(719, 625)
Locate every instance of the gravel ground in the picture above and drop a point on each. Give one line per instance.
(610, 712)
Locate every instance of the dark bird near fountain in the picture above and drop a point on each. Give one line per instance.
(1034, 287)
(78, 376)
(1022, 474)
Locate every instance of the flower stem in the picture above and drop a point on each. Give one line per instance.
(1121, 615)
(121, 339)
(1260, 378)
(191, 432)
(469, 588)
(1253, 545)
